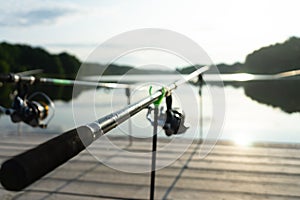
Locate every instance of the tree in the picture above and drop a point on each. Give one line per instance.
(274, 59)
(4, 66)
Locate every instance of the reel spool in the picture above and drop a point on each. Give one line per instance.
(172, 121)
(37, 110)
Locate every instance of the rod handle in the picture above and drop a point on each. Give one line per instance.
(24, 169)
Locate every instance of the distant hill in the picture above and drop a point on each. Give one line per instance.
(19, 57)
(274, 59)
(90, 69)
(223, 68)
(269, 60)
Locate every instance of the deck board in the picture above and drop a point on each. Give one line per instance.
(228, 172)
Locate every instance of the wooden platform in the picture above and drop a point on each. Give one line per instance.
(228, 172)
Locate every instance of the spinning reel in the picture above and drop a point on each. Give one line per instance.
(38, 109)
(35, 110)
(172, 121)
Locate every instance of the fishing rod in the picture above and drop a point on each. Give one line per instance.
(17, 78)
(38, 109)
(27, 167)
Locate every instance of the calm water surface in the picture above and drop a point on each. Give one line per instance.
(245, 119)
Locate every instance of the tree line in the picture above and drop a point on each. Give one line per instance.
(271, 59)
(266, 60)
(18, 57)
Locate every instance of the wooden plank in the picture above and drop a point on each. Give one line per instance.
(229, 172)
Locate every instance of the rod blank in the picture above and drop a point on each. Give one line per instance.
(16, 78)
(25, 168)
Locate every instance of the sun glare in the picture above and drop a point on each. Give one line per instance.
(242, 141)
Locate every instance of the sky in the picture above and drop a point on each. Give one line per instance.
(227, 30)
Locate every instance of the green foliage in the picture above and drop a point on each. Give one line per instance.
(4, 67)
(17, 58)
(186, 70)
(269, 60)
(235, 68)
(222, 68)
(69, 63)
(274, 59)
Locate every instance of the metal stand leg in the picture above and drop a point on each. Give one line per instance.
(200, 79)
(201, 115)
(128, 94)
(154, 144)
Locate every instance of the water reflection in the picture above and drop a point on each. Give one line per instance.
(246, 120)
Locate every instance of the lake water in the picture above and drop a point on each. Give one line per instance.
(245, 119)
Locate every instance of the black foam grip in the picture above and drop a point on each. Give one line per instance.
(25, 168)
(5, 77)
